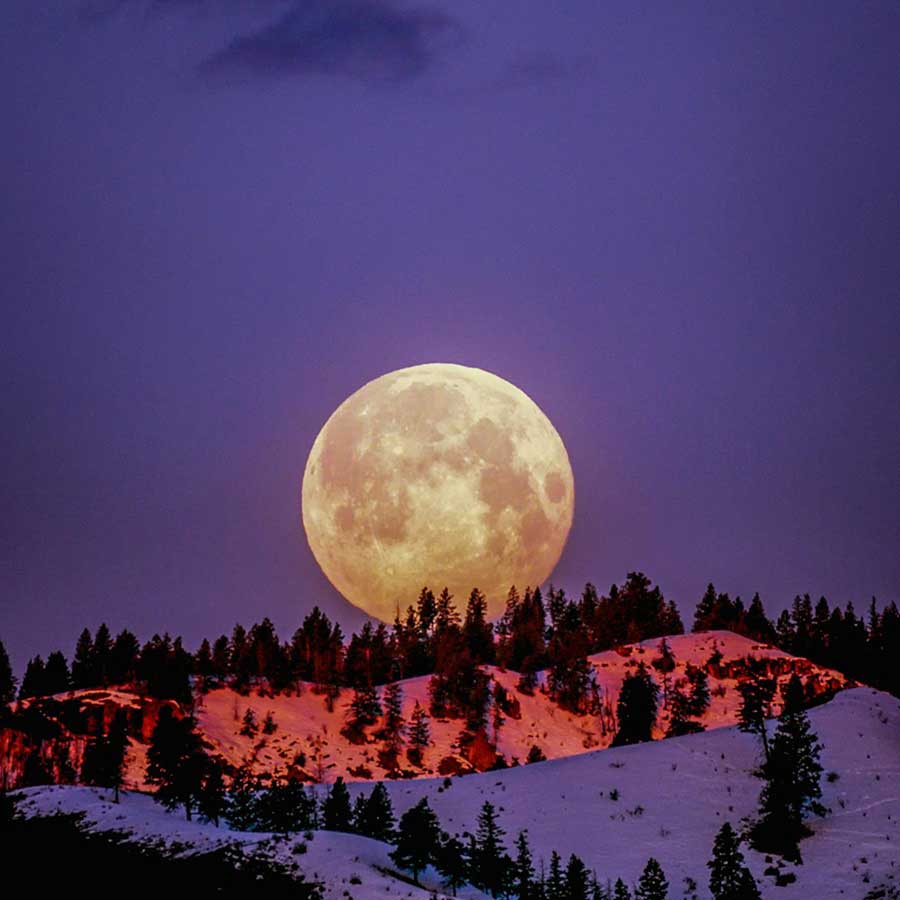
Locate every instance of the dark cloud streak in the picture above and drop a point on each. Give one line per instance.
(369, 40)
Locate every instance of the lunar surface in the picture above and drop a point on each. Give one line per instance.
(437, 475)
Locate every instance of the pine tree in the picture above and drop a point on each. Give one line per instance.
(729, 878)
(56, 674)
(523, 869)
(636, 708)
(620, 891)
(665, 662)
(426, 612)
(652, 884)
(681, 710)
(175, 761)
(756, 695)
(286, 806)
(221, 653)
(34, 679)
(7, 679)
(203, 665)
(490, 860)
(699, 697)
(211, 799)
(792, 773)
(117, 742)
(705, 612)
(336, 812)
(576, 879)
(419, 735)
(124, 658)
(393, 726)
(242, 800)
(418, 839)
(102, 655)
(83, 662)
(555, 888)
(451, 861)
(249, 725)
(477, 631)
(364, 709)
(377, 815)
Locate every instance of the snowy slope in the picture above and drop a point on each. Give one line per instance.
(341, 862)
(675, 794)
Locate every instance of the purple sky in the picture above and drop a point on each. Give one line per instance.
(677, 229)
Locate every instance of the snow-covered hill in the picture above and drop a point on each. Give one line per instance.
(308, 740)
(672, 796)
(308, 730)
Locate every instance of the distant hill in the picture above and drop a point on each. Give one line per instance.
(308, 741)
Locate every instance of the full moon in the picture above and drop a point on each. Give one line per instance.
(437, 475)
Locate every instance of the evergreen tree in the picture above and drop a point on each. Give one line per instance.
(249, 725)
(175, 761)
(7, 679)
(704, 615)
(681, 710)
(123, 659)
(56, 674)
(377, 815)
(451, 861)
(699, 697)
(756, 623)
(620, 891)
(490, 860)
(34, 679)
(102, 655)
(203, 665)
(419, 735)
(792, 774)
(756, 695)
(393, 726)
(652, 884)
(555, 887)
(576, 879)
(729, 878)
(212, 799)
(636, 708)
(665, 662)
(426, 612)
(221, 653)
(359, 812)
(336, 812)
(418, 839)
(284, 806)
(364, 710)
(523, 869)
(477, 631)
(242, 800)
(117, 742)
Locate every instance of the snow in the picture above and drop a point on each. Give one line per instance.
(673, 796)
(341, 862)
(305, 725)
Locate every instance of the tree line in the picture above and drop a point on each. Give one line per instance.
(553, 633)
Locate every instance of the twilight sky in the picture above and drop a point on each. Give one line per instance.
(676, 229)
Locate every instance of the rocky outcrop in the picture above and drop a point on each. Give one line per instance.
(42, 740)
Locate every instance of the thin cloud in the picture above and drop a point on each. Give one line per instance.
(370, 40)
